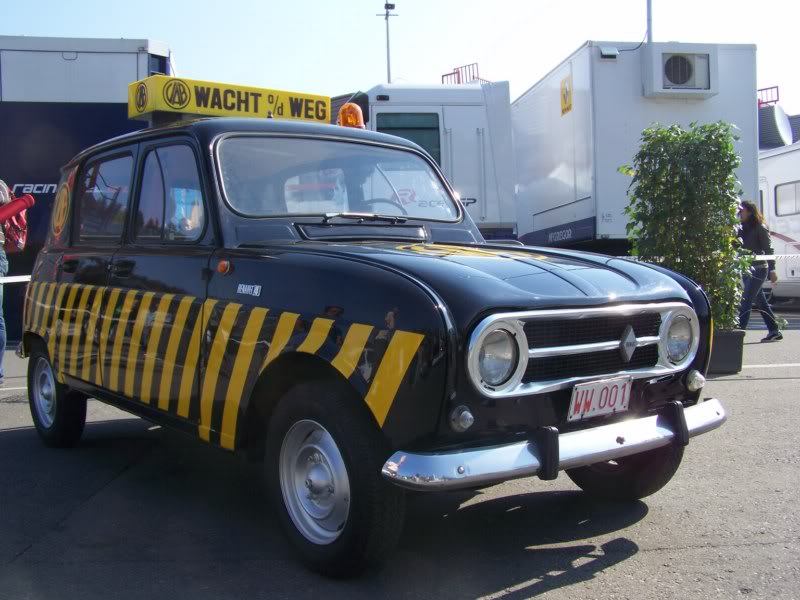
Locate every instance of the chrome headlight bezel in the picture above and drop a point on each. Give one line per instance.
(675, 316)
(485, 328)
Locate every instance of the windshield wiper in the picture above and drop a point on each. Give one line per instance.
(363, 217)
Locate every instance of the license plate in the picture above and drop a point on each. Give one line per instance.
(598, 398)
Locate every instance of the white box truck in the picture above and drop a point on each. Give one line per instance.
(466, 128)
(584, 119)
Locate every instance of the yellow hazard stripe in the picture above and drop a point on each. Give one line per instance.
(45, 309)
(390, 373)
(159, 322)
(188, 377)
(108, 316)
(76, 339)
(281, 337)
(316, 337)
(244, 357)
(61, 366)
(136, 338)
(88, 344)
(35, 299)
(352, 348)
(51, 333)
(175, 334)
(119, 338)
(30, 291)
(213, 366)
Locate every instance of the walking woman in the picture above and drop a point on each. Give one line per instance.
(755, 237)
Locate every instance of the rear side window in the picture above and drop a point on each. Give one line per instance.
(102, 195)
(170, 201)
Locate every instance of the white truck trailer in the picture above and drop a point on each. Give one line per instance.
(779, 199)
(58, 96)
(584, 119)
(466, 128)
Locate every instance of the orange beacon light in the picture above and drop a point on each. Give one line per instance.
(350, 115)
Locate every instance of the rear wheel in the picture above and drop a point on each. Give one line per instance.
(323, 472)
(631, 477)
(59, 414)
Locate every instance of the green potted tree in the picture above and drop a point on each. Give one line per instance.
(682, 216)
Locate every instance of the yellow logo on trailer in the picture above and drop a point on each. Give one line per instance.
(566, 95)
(160, 93)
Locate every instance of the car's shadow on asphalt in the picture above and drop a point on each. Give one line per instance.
(142, 509)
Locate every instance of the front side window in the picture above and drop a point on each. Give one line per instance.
(270, 177)
(102, 194)
(420, 128)
(787, 199)
(170, 200)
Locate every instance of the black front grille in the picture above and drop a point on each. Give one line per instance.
(546, 333)
(584, 365)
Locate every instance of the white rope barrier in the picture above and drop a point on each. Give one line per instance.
(15, 279)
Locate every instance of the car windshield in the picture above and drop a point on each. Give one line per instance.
(272, 176)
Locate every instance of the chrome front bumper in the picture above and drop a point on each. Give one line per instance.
(474, 467)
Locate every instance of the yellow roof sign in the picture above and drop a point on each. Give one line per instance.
(160, 93)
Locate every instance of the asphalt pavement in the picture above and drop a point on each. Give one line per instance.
(137, 511)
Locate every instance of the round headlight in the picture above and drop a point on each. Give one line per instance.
(497, 358)
(679, 339)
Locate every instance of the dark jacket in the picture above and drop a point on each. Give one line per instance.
(755, 237)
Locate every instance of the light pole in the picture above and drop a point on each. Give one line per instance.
(388, 7)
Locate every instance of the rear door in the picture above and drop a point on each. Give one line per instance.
(158, 279)
(467, 149)
(100, 205)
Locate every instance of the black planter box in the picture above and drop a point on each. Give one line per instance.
(726, 354)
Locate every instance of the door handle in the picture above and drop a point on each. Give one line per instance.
(70, 265)
(122, 268)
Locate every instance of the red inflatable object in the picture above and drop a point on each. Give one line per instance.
(15, 207)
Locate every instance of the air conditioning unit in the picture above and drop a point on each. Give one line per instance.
(685, 71)
(680, 70)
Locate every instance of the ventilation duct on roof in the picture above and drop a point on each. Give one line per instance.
(774, 129)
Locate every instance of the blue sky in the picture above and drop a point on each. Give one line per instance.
(332, 47)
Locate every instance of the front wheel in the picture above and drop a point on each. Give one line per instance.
(59, 414)
(631, 477)
(323, 473)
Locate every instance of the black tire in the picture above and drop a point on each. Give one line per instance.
(375, 508)
(629, 478)
(59, 413)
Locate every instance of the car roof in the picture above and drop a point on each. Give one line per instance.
(205, 130)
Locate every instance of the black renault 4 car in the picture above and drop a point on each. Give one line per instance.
(316, 298)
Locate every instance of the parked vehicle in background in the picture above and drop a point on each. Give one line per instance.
(574, 128)
(779, 201)
(58, 96)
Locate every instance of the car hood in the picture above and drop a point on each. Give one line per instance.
(477, 279)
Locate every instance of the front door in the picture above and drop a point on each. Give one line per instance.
(158, 278)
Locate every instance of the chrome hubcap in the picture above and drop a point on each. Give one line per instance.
(314, 482)
(44, 392)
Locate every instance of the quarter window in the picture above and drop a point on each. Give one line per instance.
(170, 201)
(787, 199)
(420, 128)
(103, 194)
